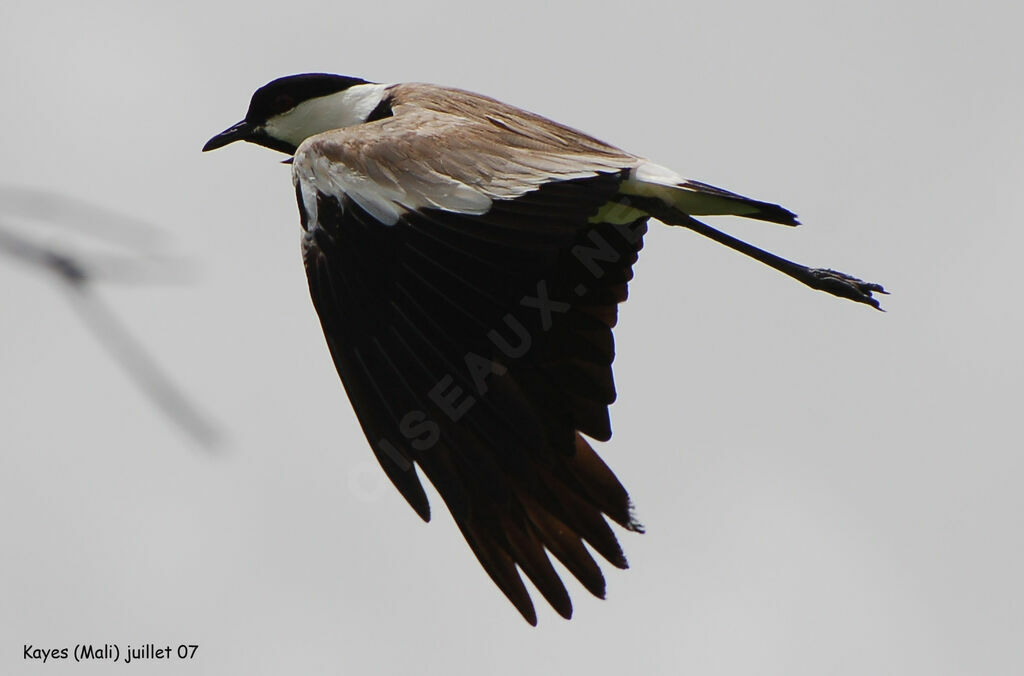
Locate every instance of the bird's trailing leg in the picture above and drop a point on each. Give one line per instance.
(830, 281)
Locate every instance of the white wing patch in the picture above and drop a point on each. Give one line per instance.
(381, 194)
(452, 161)
(307, 193)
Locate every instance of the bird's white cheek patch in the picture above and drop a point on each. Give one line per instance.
(334, 111)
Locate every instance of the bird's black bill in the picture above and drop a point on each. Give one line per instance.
(240, 132)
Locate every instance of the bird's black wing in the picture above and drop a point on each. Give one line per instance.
(479, 348)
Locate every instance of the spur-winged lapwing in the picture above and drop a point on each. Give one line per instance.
(466, 259)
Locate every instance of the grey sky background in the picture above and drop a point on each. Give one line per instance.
(827, 489)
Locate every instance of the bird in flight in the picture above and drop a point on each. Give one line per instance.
(466, 259)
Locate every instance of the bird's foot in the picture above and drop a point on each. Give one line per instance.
(845, 286)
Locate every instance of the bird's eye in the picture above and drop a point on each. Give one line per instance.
(283, 102)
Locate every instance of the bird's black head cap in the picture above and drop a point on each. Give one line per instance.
(276, 98)
(285, 93)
